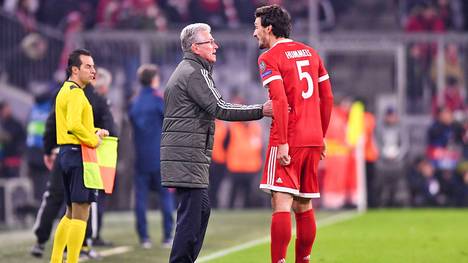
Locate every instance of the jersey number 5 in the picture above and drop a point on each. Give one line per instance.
(306, 75)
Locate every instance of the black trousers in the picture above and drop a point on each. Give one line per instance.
(53, 206)
(193, 215)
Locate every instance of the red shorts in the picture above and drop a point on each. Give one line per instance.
(299, 178)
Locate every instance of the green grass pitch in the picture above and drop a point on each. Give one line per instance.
(425, 236)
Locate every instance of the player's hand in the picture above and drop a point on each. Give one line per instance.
(102, 133)
(267, 109)
(283, 154)
(49, 160)
(323, 154)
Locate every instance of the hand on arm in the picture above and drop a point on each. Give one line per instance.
(267, 109)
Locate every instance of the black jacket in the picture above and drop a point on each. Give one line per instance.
(101, 114)
(192, 102)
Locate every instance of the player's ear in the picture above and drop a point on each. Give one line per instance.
(269, 28)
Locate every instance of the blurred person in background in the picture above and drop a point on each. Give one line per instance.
(26, 65)
(336, 190)
(13, 146)
(146, 116)
(97, 96)
(192, 103)
(423, 18)
(37, 171)
(299, 87)
(393, 142)
(424, 185)
(218, 162)
(243, 157)
(371, 153)
(444, 140)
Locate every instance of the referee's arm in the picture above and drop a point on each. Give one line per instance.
(74, 121)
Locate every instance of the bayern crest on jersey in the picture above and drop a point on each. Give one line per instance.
(262, 66)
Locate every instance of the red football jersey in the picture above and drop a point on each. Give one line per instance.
(301, 71)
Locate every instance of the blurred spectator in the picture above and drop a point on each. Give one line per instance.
(453, 68)
(13, 146)
(243, 156)
(371, 154)
(218, 162)
(177, 11)
(25, 12)
(393, 143)
(454, 91)
(243, 160)
(211, 12)
(338, 187)
(146, 115)
(451, 13)
(101, 104)
(462, 193)
(423, 184)
(444, 139)
(55, 12)
(37, 171)
(299, 10)
(423, 18)
(27, 64)
(131, 14)
(107, 15)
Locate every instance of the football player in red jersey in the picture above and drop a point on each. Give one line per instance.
(300, 90)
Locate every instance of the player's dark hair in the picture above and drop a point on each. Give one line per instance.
(74, 59)
(146, 74)
(277, 17)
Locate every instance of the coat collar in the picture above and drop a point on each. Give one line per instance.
(205, 64)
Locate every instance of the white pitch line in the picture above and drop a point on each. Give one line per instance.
(112, 251)
(321, 223)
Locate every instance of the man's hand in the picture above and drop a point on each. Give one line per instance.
(49, 160)
(283, 154)
(102, 133)
(323, 154)
(267, 109)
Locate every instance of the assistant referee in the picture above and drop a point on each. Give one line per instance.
(74, 120)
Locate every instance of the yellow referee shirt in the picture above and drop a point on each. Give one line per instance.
(74, 116)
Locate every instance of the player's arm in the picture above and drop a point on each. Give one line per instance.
(74, 122)
(203, 91)
(280, 116)
(272, 80)
(326, 98)
(326, 102)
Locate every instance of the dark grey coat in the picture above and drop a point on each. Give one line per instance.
(192, 102)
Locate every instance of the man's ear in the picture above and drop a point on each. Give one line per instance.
(194, 49)
(269, 28)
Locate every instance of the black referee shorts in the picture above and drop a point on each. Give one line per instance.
(71, 166)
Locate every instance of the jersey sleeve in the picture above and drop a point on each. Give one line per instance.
(326, 97)
(269, 72)
(268, 69)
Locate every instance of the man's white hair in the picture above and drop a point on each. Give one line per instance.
(189, 35)
(103, 78)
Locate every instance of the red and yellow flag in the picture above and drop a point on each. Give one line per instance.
(99, 164)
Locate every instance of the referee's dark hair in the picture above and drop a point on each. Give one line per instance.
(146, 74)
(74, 59)
(277, 17)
